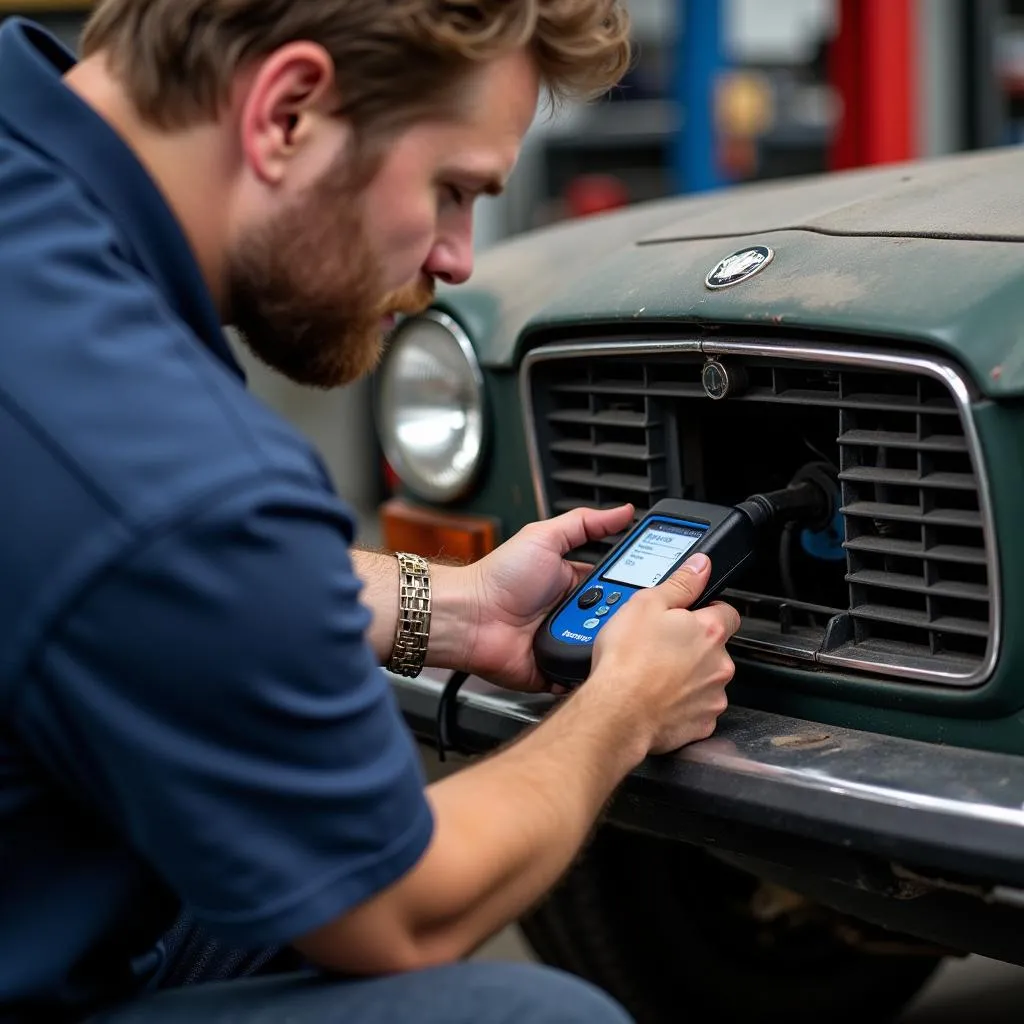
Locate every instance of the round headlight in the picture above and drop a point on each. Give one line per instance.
(430, 407)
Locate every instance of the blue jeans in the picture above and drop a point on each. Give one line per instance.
(468, 993)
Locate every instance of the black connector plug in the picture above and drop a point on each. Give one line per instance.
(807, 501)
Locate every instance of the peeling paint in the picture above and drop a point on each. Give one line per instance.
(828, 289)
(803, 741)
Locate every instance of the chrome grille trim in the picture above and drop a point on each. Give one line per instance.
(914, 666)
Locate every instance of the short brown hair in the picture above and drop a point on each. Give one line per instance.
(395, 60)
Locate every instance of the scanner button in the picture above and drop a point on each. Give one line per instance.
(591, 623)
(603, 610)
(613, 598)
(590, 597)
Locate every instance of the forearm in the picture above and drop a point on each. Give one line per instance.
(452, 607)
(510, 826)
(506, 829)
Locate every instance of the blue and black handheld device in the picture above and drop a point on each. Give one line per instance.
(672, 531)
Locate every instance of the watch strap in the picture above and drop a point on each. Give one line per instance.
(412, 632)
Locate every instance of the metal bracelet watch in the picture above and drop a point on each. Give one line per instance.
(413, 630)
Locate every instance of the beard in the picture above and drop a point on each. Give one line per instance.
(304, 290)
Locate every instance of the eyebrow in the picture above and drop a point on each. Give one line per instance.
(492, 185)
(483, 182)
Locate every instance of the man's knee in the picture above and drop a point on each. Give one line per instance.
(541, 995)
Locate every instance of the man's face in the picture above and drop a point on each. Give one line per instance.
(315, 282)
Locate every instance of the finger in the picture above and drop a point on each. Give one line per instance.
(573, 529)
(734, 619)
(686, 584)
(722, 618)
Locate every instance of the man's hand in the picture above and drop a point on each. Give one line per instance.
(665, 662)
(520, 582)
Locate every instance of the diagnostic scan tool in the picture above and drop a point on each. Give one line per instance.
(672, 531)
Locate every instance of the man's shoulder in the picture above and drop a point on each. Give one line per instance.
(99, 369)
(41, 203)
(115, 419)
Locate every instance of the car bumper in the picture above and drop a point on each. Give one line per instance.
(941, 811)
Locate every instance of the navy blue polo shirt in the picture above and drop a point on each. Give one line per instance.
(190, 714)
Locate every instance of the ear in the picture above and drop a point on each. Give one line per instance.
(286, 94)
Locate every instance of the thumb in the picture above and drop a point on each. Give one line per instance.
(687, 583)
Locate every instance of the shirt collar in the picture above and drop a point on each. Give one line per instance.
(37, 107)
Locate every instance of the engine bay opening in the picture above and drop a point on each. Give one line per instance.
(731, 451)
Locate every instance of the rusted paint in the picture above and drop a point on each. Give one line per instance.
(803, 741)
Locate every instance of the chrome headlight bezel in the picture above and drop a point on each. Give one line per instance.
(462, 478)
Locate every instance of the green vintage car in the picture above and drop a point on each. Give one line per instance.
(859, 814)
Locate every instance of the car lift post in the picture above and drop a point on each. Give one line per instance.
(873, 66)
(699, 59)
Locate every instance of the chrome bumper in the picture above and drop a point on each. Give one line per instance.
(934, 808)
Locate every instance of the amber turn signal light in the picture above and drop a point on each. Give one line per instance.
(421, 531)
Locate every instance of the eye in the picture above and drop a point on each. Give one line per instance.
(457, 195)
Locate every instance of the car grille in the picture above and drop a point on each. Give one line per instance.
(908, 588)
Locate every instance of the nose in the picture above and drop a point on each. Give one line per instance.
(451, 258)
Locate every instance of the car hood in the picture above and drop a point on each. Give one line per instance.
(924, 252)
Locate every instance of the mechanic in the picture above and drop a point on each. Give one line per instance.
(203, 773)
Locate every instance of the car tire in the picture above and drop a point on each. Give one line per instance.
(669, 932)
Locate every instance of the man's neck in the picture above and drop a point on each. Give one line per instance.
(187, 167)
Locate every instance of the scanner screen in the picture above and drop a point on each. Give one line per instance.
(653, 553)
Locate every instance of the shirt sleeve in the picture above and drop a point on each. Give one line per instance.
(214, 698)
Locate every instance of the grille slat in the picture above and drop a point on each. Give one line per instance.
(919, 585)
(893, 439)
(794, 396)
(876, 404)
(608, 450)
(916, 549)
(568, 504)
(657, 388)
(919, 619)
(911, 597)
(902, 513)
(909, 478)
(613, 481)
(604, 418)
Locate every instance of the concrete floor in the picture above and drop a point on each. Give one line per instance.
(976, 989)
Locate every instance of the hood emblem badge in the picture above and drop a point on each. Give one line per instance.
(740, 266)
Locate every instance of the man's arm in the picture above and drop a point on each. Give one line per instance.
(213, 696)
(508, 827)
(505, 830)
(453, 607)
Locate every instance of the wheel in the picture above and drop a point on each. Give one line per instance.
(671, 932)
